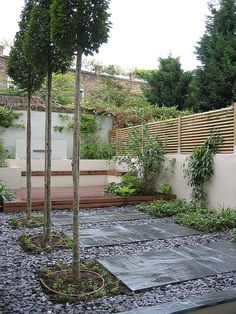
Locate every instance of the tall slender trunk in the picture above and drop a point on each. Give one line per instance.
(48, 153)
(76, 170)
(28, 158)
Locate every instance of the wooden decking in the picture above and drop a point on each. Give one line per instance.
(90, 197)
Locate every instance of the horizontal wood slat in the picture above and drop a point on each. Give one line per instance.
(82, 173)
(183, 134)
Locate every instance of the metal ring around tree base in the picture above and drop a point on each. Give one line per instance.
(75, 295)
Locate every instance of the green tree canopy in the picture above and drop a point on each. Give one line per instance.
(216, 77)
(169, 85)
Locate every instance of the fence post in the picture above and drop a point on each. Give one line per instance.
(234, 148)
(179, 134)
(117, 137)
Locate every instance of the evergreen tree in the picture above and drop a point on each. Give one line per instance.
(44, 55)
(216, 77)
(169, 85)
(79, 26)
(29, 79)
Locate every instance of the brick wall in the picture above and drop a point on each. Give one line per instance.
(89, 80)
(3, 75)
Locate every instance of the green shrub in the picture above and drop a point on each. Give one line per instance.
(200, 166)
(125, 191)
(111, 188)
(144, 157)
(5, 194)
(165, 188)
(171, 208)
(209, 221)
(97, 149)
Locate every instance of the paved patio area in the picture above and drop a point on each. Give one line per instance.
(157, 268)
(126, 233)
(88, 217)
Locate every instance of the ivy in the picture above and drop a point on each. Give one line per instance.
(89, 124)
(7, 117)
(200, 166)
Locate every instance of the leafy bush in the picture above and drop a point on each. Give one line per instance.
(97, 149)
(127, 187)
(172, 208)
(5, 194)
(144, 157)
(165, 188)
(209, 221)
(200, 166)
(7, 117)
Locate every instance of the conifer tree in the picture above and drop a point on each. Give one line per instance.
(216, 77)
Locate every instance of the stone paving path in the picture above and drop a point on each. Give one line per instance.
(87, 217)
(126, 233)
(193, 303)
(157, 268)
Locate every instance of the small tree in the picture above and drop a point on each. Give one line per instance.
(79, 26)
(46, 58)
(29, 79)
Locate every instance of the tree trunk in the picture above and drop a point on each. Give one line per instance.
(48, 153)
(28, 158)
(75, 171)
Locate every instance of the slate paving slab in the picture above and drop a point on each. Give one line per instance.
(127, 214)
(126, 233)
(157, 268)
(190, 304)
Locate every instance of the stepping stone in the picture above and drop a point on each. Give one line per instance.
(126, 233)
(157, 268)
(128, 214)
(190, 304)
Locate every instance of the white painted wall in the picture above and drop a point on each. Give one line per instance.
(11, 135)
(221, 189)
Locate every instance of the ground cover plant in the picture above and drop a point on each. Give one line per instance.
(90, 286)
(193, 215)
(33, 243)
(34, 221)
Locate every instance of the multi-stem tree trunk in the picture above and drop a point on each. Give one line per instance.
(76, 171)
(48, 153)
(28, 159)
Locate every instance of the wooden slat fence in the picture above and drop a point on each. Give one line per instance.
(183, 134)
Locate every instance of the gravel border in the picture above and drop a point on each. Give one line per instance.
(21, 292)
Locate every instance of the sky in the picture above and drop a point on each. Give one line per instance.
(142, 31)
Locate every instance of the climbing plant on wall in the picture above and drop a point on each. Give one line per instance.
(200, 166)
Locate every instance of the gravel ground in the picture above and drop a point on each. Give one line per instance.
(21, 292)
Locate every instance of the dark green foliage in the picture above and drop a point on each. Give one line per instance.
(85, 25)
(7, 117)
(5, 194)
(209, 220)
(127, 187)
(25, 75)
(145, 157)
(88, 124)
(169, 85)
(171, 208)
(216, 77)
(165, 188)
(200, 166)
(96, 149)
